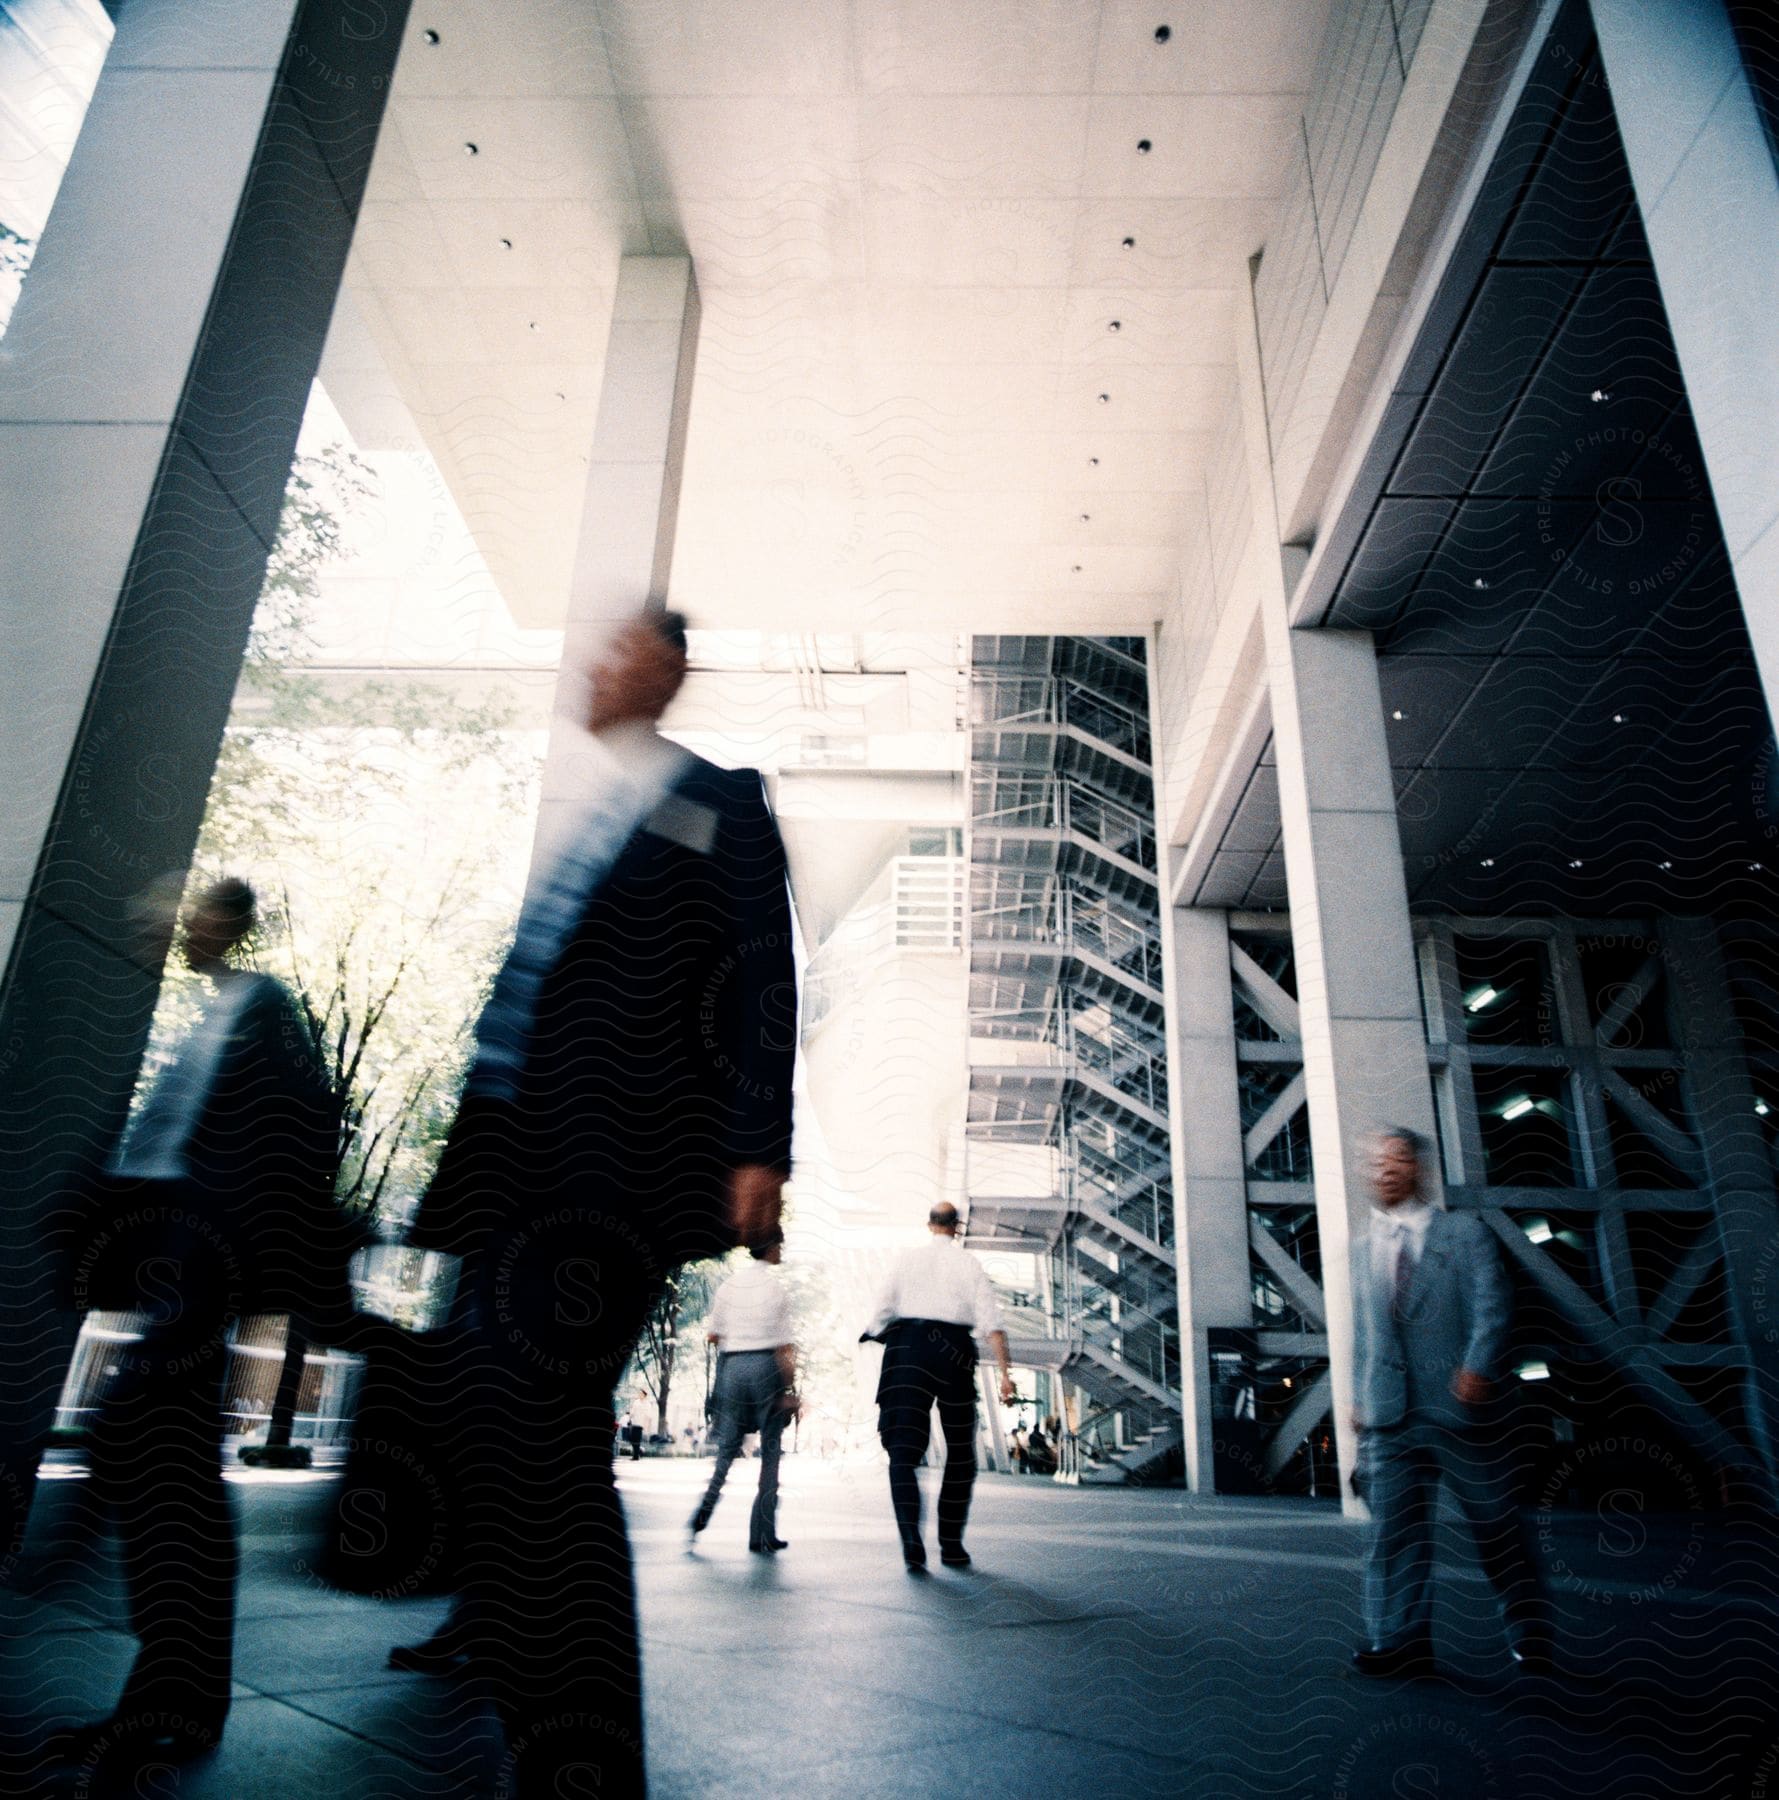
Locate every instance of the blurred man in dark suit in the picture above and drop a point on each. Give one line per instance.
(628, 1109)
(217, 1202)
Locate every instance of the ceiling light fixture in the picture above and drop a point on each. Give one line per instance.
(1093, 462)
(1163, 33)
(472, 149)
(1598, 395)
(1484, 996)
(1085, 517)
(1488, 862)
(1618, 718)
(431, 37)
(1105, 399)
(1144, 146)
(1480, 585)
(1538, 1230)
(1397, 714)
(506, 243)
(1519, 1106)
(1575, 862)
(1114, 324)
(1762, 1108)
(1130, 243)
(1535, 1371)
(1667, 865)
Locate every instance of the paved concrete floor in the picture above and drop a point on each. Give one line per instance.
(1138, 1643)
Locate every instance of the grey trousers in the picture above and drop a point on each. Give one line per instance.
(1400, 1470)
(748, 1394)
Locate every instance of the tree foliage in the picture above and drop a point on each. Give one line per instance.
(672, 1324)
(384, 824)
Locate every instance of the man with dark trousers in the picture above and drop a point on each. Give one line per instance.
(1432, 1316)
(756, 1385)
(217, 1202)
(627, 1110)
(934, 1304)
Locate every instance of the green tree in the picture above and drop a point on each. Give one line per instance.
(682, 1306)
(385, 826)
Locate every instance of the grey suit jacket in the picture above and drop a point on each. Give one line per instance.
(1457, 1315)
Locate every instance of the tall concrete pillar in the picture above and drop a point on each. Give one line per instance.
(1364, 1047)
(1708, 189)
(152, 383)
(625, 553)
(1210, 1188)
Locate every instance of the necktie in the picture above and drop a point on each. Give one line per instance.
(1405, 1269)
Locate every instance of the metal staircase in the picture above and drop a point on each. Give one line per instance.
(1067, 1021)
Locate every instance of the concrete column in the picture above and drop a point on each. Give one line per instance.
(625, 553)
(1708, 190)
(1364, 1049)
(152, 383)
(1210, 1189)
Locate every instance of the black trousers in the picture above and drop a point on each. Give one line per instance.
(157, 1467)
(912, 1386)
(549, 1595)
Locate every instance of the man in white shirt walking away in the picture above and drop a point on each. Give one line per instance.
(932, 1308)
(750, 1323)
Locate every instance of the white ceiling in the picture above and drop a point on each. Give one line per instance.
(906, 218)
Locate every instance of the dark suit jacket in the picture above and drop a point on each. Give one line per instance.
(659, 1060)
(1457, 1314)
(243, 1220)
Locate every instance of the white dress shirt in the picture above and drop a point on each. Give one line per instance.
(752, 1310)
(1391, 1229)
(941, 1280)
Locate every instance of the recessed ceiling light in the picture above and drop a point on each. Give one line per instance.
(1163, 33)
(1755, 868)
(1618, 718)
(1667, 865)
(506, 243)
(1518, 1106)
(1397, 714)
(1114, 324)
(472, 149)
(1130, 244)
(1085, 517)
(1598, 395)
(561, 396)
(430, 37)
(1074, 568)
(1093, 462)
(532, 326)
(1105, 399)
(1144, 146)
(1575, 862)
(1479, 584)
(1488, 862)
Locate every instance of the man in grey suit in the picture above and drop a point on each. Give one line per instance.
(1432, 1314)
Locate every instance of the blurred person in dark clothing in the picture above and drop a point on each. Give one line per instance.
(218, 1201)
(627, 1110)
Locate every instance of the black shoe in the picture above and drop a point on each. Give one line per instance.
(437, 1656)
(914, 1558)
(770, 1547)
(1415, 1657)
(954, 1556)
(1531, 1653)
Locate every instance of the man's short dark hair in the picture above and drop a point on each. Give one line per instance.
(672, 626)
(233, 901)
(1420, 1146)
(944, 1215)
(769, 1240)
